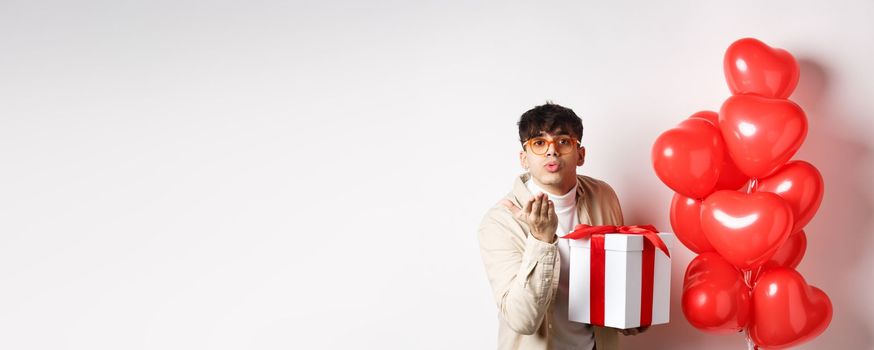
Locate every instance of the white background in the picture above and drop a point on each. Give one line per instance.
(275, 175)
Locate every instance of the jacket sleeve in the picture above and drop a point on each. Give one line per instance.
(522, 279)
(615, 208)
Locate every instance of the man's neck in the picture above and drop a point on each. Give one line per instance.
(555, 190)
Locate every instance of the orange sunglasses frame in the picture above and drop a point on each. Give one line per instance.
(548, 143)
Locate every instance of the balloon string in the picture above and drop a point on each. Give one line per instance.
(751, 345)
(754, 185)
(758, 273)
(748, 279)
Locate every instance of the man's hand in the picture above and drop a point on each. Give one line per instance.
(539, 214)
(633, 331)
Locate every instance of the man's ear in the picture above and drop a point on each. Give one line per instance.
(523, 159)
(582, 156)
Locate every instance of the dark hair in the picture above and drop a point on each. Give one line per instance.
(551, 118)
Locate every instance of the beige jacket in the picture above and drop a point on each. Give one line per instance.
(524, 271)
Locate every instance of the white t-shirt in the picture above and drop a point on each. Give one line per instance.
(565, 334)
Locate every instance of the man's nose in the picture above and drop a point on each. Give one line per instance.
(551, 150)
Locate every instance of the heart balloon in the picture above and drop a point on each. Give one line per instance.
(730, 177)
(761, 134)
(746, 229)
(715, 297)
(752, 67)
(688, 157)
(800, 184)
(786, 311)
(790, 253)
(709, 116)
(686, 222)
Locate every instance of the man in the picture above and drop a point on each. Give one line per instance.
(526, 263)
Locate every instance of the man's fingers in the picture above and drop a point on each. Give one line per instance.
(538, 207)
(544, 208)
(535, 207)
(526, 211)
(633, 331)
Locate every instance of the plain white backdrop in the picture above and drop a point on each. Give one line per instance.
(293, 175)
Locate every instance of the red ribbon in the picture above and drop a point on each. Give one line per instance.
(597, 258)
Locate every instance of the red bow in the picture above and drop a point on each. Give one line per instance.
(648, 231)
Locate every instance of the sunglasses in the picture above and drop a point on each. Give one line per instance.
(563, 144)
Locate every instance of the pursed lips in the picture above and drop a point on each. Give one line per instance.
(552, 166)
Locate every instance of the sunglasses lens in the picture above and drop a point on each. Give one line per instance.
(539, 145)
(564, 144)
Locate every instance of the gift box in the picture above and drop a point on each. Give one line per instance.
(620, 276)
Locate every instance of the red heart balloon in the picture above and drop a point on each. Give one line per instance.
(709, 116)
(786, 311)
(686, 222)
(688, 157)
(790, 253)
(752, 67)
(730, 177)
(800, 184)
(715, 297)
(761, 134)
(746, 229)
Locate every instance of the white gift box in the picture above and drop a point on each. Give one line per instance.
(623, 281)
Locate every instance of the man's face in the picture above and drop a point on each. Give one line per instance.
(554, 169)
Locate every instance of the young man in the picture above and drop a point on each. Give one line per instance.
(526, 263)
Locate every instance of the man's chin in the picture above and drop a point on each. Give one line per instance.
(557, 178)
